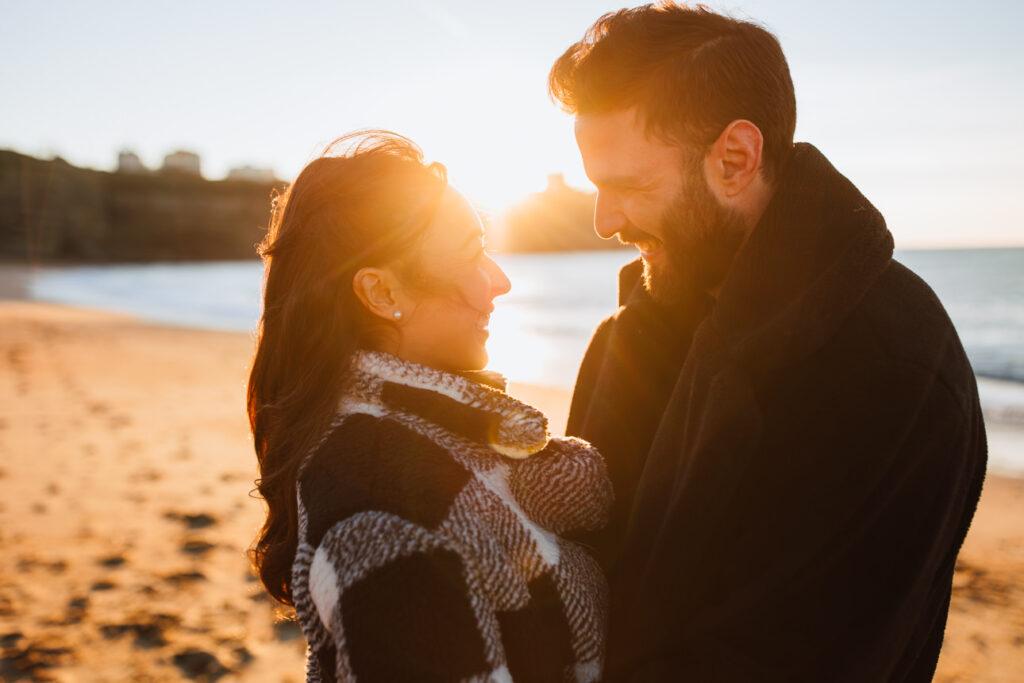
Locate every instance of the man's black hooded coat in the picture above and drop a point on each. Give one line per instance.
(792, 495)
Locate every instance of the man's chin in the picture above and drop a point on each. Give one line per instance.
(660, 283)
(669, 283)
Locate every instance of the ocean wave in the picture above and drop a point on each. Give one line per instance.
(1002, 400)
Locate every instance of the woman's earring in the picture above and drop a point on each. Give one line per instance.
(398, 315)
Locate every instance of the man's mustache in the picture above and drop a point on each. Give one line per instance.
(630, 236)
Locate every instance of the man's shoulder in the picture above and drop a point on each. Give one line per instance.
(905, 314)
(902, 321)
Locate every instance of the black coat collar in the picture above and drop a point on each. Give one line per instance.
(811, 258)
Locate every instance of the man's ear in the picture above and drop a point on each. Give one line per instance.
(733, 161)
(377, 290)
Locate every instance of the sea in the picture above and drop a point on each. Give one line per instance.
(540, 329)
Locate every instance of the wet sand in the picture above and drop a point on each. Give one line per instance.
(125, 472)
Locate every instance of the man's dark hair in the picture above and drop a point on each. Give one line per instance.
(689, 71)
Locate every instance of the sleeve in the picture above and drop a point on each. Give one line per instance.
(564, 487)
(400, 603)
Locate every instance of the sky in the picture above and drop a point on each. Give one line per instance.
(920, 104)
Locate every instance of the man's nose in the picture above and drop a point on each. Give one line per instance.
(608, 217)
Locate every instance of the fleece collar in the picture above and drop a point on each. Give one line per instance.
(463, 406)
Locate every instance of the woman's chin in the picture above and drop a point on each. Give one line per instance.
(479, 360)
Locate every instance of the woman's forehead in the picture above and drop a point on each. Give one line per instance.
(455, 220)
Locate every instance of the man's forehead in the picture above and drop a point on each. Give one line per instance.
(610, 127)
(616, 147)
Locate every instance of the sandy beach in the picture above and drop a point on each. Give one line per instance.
(125, 513)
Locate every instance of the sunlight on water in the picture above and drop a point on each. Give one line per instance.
(540, 329)
(518, 355)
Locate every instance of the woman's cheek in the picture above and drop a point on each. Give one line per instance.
(481, 290)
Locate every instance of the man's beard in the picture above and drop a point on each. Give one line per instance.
(701, 239)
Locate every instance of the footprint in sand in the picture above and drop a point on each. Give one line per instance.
(980, 585)
(148, 629)
(97, 407)
(24, 658)
(242, 655)
(287, 630)
(199, 520)
(178, 579)
(113, 561)
(119, 421)
(183, 452)
(77, 608)
(146, 474)
(10, 639)
(196, 547)
(29, 563)
(195, 663)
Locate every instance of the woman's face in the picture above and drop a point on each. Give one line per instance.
(445, 312)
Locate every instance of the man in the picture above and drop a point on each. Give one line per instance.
(790, 422)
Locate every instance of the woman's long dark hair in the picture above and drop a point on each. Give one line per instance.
(363, 203)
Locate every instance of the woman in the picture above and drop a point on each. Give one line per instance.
(412, 509)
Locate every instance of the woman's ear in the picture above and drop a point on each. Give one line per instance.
(377, 289)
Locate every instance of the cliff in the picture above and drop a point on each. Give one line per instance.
(52, 211)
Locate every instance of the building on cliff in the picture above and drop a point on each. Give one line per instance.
(252, 174)
(129, 162)
(183, 162)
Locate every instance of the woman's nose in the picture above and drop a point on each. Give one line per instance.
(500, 284)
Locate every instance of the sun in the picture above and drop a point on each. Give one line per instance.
(496, 131)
